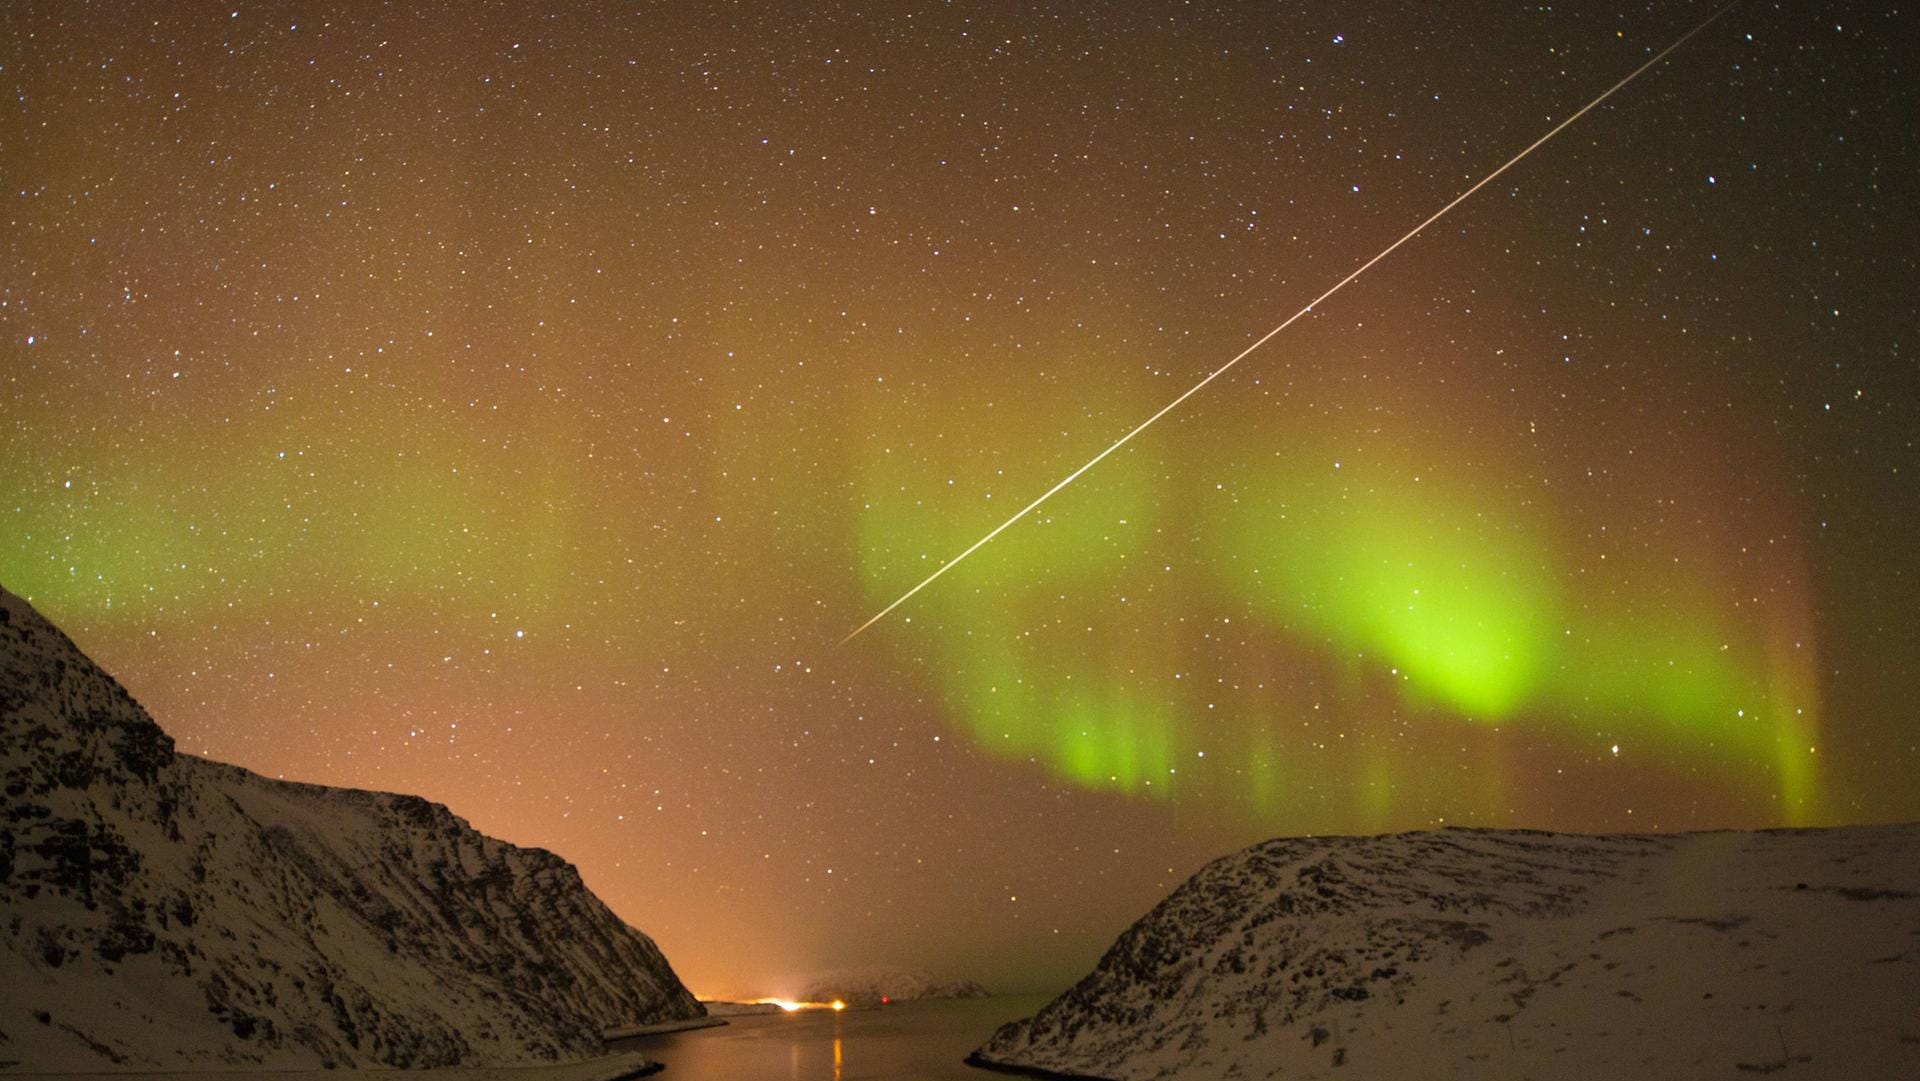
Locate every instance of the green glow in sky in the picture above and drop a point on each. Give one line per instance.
(1458, 599)
(1400, 600)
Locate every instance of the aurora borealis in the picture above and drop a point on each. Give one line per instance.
(515, 405)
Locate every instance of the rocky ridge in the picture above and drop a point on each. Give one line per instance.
(159, 910)
(1474, 953)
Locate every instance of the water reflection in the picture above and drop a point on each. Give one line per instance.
(921, 1041)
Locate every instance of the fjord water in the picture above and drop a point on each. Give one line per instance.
(907, 1041)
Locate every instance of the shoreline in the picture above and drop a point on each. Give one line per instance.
(1041, 1073)
(618, 1066)
(661, 1028)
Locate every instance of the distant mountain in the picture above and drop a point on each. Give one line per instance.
(1480, 954)
(160, 910)
(870, 986)
(724, 1008)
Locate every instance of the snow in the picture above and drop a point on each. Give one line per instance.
(1470, 954)
(618, 1067)
(869, 986)
(164, 912)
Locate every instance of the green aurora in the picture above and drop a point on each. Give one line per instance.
(1374, 589)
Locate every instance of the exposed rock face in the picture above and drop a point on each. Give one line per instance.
(870, 986)
(161, 910)
(1468, 953)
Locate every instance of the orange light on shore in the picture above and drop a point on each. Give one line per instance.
(793, 1006)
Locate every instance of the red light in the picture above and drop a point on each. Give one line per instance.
(884, 1000)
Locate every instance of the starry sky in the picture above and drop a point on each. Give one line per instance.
(515, 404)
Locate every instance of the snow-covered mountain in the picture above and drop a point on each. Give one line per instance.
(161, 910)
(1481, 954)
(869, 986)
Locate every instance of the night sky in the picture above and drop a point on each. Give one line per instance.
(516, 404)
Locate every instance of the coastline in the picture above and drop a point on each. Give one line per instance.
(981, 1062)
(661, 1028)
(621, 1066)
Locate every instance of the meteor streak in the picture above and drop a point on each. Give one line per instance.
(1290, 320)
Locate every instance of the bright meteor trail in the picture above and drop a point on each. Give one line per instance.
(1289, 321)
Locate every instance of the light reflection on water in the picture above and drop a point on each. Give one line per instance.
(907, 1041)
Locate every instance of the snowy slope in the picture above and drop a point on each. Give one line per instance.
(160, 910)
(867, 986)
(1483, 954)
